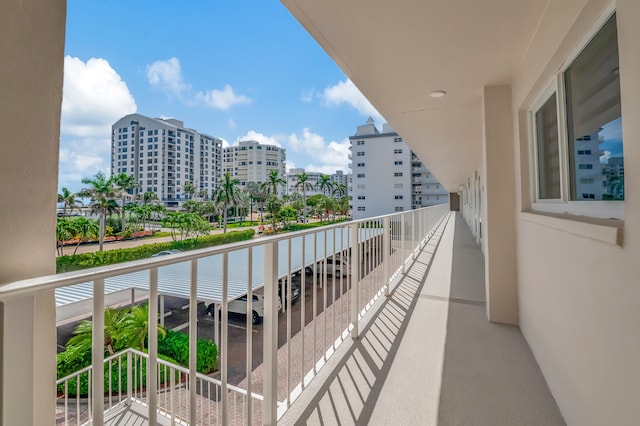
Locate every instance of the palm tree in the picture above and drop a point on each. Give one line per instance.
(189, 189)
(135, 326)
(148, 197)
(84, 229)
(64, 231)
(114, 328)
(303, 182)
(257, 194)
(274, 205)
(325, 184)
(124, 183)
(102, 194)
(226, 195)
(273, 181)
(69, 200)
(339, 189)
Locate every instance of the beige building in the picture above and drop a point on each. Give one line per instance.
(496, 95)
(250, 161)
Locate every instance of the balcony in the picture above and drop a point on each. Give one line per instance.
(415, 311)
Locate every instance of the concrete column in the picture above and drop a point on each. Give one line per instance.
(498, 205)
(31, 67)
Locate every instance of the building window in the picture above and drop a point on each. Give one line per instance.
(397, 151)
(360, 154)
(360, 165)
(398, 197)
(588, 103)
(399, 209)
(397, 174)
(397, 163)
(361, 208)
(397, 139)
(359, 142)
(362, 197)
(360, 175)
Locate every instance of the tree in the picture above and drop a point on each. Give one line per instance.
(102, 194)
(84, 229)
(135, 326)
(258, 194)
(273, 181)
(189, 189)
(114, 336)
(288, 214)
(69, 200)
(339, 189)
(227, 195)
(303, 182)
(64, 231)
(273, 206)
(325, 184)
(148, 197)
(187, 224)
(124, 185)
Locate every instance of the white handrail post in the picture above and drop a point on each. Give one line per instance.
(223, 352)
(98, 352)
(386, 249)
(416, 237)
(152, 361)
(404, 242)
(193, 342)
(355, 280)
(129, 378)
(270, 335)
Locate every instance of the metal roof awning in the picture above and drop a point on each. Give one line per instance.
(174, 280)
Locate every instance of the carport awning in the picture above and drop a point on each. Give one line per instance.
(174, 280)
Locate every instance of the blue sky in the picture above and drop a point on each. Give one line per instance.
(234, 69)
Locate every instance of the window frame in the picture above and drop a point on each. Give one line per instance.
(556, 87)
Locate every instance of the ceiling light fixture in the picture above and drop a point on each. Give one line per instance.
(437, 94)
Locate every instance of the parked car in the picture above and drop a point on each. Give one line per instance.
(166, 252)
(239, 306)
(295, 293)
(341, 267)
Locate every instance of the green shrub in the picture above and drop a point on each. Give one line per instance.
(108, 257)
(176, 346)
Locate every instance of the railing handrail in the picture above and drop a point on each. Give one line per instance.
(176, 367)
(51, 282)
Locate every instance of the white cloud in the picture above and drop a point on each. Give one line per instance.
(252, 135)
(231, 123)
(307, 95)
(327, 156)
(167, 76)
(94, 97)
(222, 99)
(225, 143)
(345, 92)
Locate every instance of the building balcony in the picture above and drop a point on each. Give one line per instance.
(407, 341)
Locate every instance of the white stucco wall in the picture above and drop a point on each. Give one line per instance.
(579, 298)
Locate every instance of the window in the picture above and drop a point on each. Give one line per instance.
(360, 154)
(361, 208)
(362, 197)
(397, 151)
(360, 165)
(397, 174)
(399, 209)
(397, 139)
(584, 100)
(359, 142)
(360, 175)
(398, 197)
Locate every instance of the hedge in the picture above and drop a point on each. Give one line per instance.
(176, 346)
(108, 257)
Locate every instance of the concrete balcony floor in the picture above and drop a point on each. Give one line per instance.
(429, 356)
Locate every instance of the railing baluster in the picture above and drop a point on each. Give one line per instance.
(97, 405)
(303, 317)
(287, 289)
(355, 272)
(152, 362)
(315, 300)
(270, 335)
(249, 335)
(225, 336)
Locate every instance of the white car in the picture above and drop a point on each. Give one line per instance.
(341, 267)
(239, 306)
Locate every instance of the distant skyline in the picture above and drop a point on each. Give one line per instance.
(234, 70)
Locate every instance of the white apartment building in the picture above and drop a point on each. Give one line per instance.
(162, 155)
(250, 161)
(387, 176)
(339, 177)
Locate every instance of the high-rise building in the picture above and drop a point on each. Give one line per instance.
(250, 161)
(314, 178)
(387, 176)
(162, 155)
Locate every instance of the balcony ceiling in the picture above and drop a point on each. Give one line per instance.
(397, 53)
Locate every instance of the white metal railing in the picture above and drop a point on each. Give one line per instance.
(339, 270)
